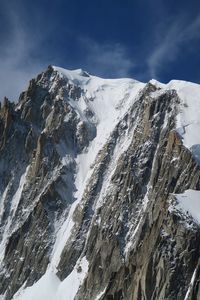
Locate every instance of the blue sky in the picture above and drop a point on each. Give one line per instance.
(141, 39)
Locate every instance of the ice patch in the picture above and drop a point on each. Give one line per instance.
(14, 205)
(77, 77)
(17, 196)
(188, 118)
(100, 295)
(188, 296)
(189, 203)
(50, 287)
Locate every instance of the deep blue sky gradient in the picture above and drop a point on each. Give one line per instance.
(111, 38)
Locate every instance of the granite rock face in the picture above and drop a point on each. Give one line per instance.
(96, 204)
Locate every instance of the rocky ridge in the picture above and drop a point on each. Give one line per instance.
(90, 173)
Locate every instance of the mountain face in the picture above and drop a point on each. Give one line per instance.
(100, 190)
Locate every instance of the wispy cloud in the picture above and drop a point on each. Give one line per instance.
(107, 59)
(170, 42)
(17, 61)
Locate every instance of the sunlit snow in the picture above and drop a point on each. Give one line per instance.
(189, 203)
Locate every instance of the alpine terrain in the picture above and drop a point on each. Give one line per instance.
(100, 189)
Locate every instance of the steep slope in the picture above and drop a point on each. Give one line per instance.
(99, 180)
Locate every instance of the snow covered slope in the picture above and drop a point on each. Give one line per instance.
(189, 202)
(108, 100)
(188, 117)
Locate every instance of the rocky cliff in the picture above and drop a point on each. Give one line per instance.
(99, 190)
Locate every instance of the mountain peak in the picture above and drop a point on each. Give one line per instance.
(99, 188)
(77, 76)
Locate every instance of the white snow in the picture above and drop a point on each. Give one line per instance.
(188, 118)
(71, 284)
(158, 84)
(43, 289)
(3, 197)
(17, 196)
(109, 100)
(62, 237)
(134, 230)
(74, 76)
(100, 295)
(50, 287)
(189, 203)
(188, 296)
(14, 205)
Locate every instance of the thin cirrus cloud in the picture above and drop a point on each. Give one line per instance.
(106, 59)
(168, 46)
(17, 67)
(26, 52)
(17, 62)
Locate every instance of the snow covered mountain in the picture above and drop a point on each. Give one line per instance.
(100, 189)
